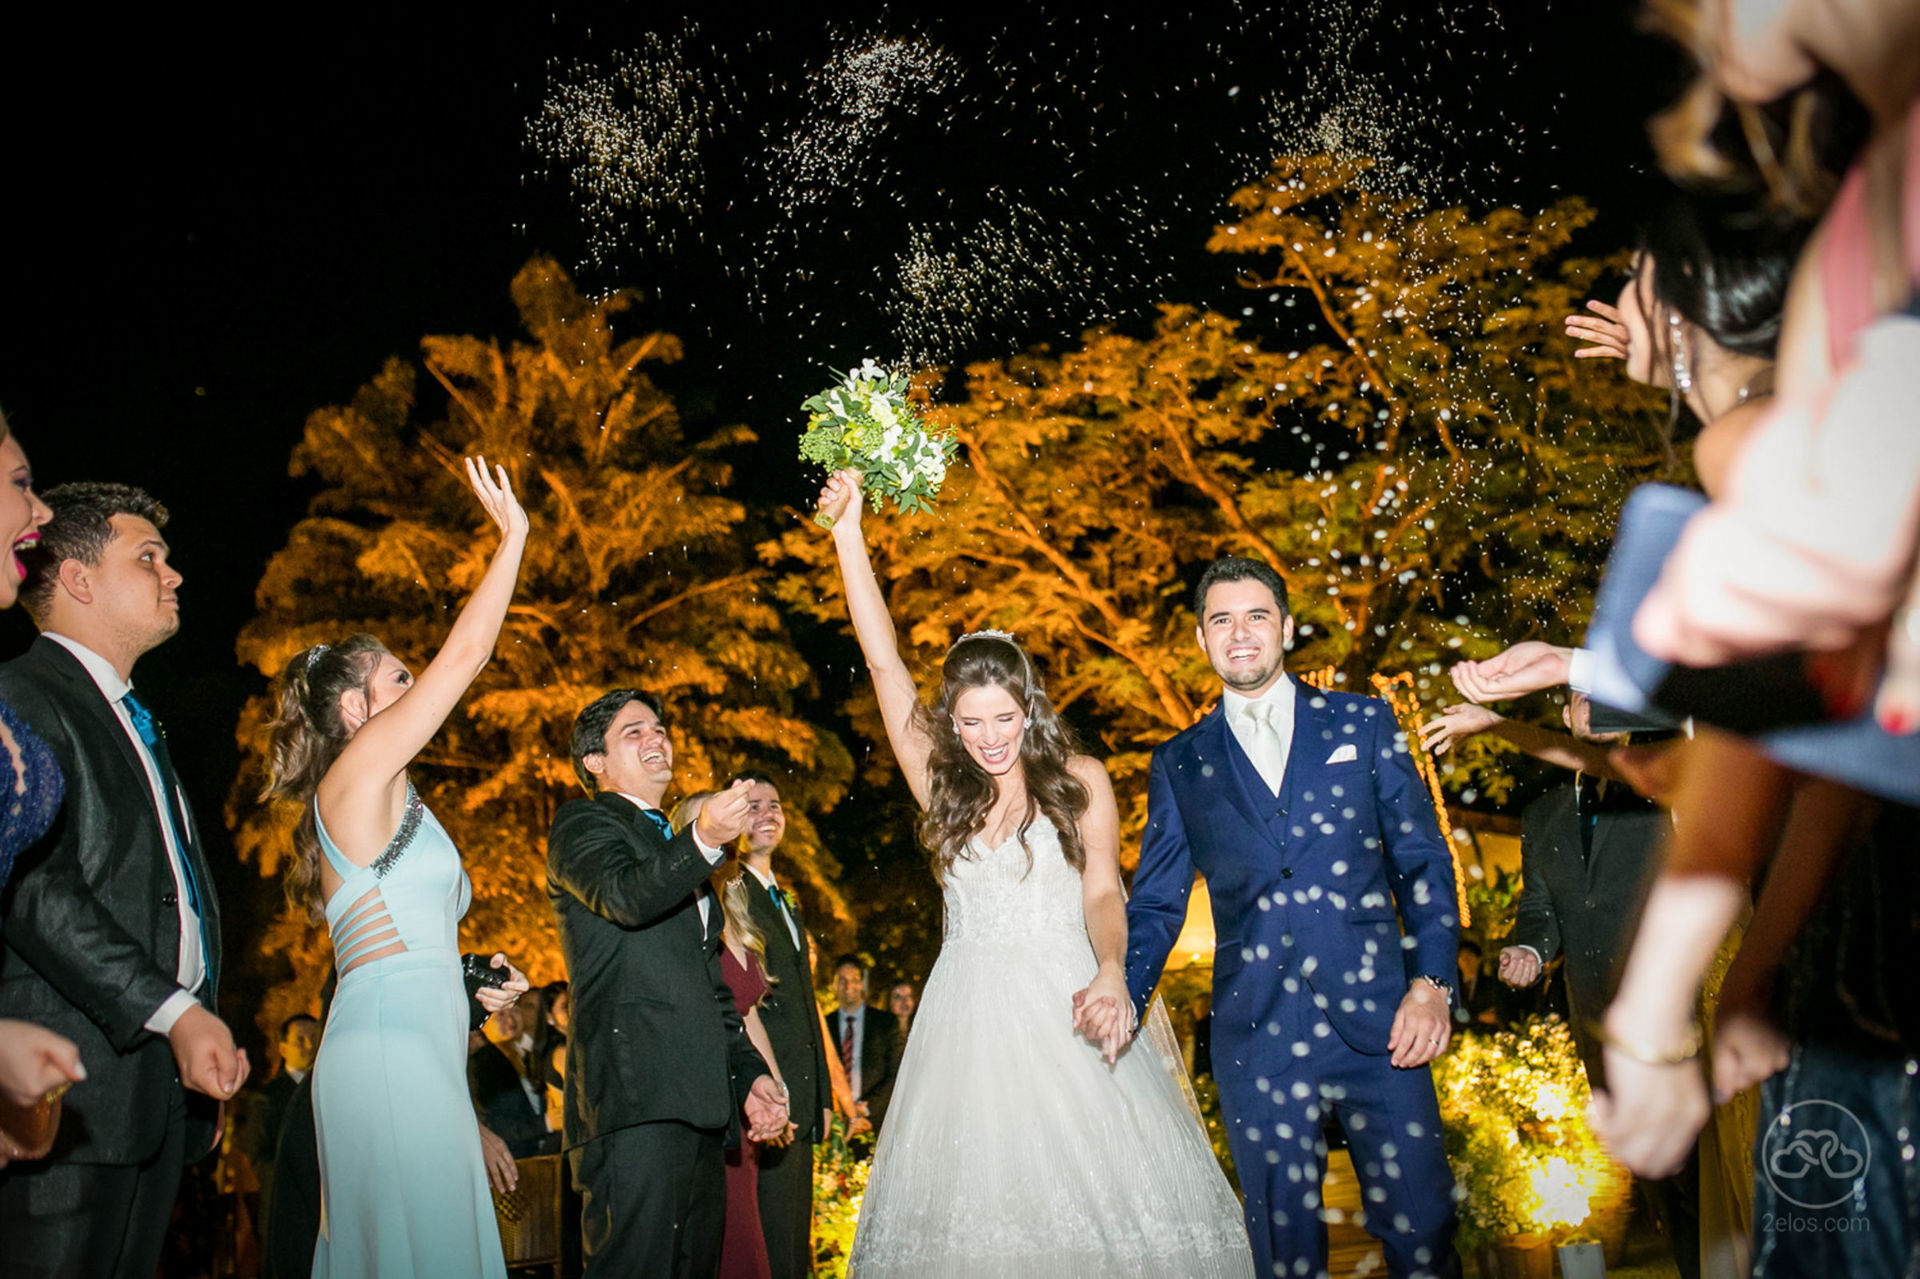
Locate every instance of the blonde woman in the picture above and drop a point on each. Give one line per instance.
(743, 961)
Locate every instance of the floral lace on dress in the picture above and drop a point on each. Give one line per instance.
(31, 783)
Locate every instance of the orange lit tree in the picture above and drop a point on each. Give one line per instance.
(638, 571)
(1406, 439)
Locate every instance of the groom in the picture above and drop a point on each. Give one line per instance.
(1319, 846)
(659, 1065)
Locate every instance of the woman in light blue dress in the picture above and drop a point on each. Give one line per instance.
(403, 1182)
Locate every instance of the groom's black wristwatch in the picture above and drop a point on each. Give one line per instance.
(1440, 984)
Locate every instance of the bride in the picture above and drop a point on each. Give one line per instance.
(1013, 1146)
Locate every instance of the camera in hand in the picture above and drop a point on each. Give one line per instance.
(481, 975)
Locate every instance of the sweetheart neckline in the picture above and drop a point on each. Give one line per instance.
(1013, 836)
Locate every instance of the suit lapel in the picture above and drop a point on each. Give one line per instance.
(650, 836)
(65, 666)
(83, 690)
(1308, 723)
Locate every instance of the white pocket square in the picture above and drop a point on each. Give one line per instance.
(1343, 754)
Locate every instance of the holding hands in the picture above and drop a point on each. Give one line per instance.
(1103, 1013)
(766, 1110)
(1519, 966)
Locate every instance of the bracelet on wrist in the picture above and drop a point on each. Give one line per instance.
(1651, 1055)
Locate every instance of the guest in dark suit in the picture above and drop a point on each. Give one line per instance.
(658, 1063)
(502, 1099)
(290, 1211)
(868, 1041)
(112, 930)
(792, 1019)
(267, 1116)
(1589, 852)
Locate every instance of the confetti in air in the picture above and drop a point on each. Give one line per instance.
(956, 186)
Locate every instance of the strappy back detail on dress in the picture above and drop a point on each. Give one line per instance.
(366, 931)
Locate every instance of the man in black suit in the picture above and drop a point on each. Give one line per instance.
(868, 1041)
(1588, 854)
(267, 1115)
(792, 1021)
(501, 1099)
(658, 1064)
(112, 930)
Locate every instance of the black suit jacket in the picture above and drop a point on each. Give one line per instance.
(654, 1034)
(501, 1100)
(93, 921)
(265, 1116)
(879, 1059)
(790, 1015)
(1586, 906)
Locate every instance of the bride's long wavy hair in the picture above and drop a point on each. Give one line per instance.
(304, 739)
(960, 793)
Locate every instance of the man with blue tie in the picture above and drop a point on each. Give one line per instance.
(112, 928)
(1335, 910)
(659, 1067)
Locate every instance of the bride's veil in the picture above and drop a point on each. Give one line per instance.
(1157, 1032)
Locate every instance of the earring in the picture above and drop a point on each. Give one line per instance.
(1682, 375)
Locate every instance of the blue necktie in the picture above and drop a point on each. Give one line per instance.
(143, 724)
(660, 822)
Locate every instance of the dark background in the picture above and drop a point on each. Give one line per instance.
(213, 227)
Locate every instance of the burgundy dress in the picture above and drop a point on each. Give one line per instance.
(743, 1253)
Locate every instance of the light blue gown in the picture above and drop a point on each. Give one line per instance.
(403, 1190)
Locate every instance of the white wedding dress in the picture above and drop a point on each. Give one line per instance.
(1011, 1148)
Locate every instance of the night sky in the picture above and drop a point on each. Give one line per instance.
(213, 229)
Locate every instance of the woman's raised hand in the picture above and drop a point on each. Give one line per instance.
(495, 492)
(1606, 335)
(840, 500)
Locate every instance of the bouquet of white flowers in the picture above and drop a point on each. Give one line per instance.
(865, 422)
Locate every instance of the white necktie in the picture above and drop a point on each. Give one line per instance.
(1263, 745)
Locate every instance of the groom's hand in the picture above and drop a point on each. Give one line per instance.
(1422, 1026)
(766, 1108)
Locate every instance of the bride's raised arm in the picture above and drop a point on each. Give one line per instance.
(899, 699)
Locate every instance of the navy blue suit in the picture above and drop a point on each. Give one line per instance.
(1311, 891)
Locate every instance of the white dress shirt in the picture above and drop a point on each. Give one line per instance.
(857, 1018)
(191, 969)
(767, 884)
(1240, 712)
(713, 855)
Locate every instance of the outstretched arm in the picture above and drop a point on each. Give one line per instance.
(878, 644)
(371, 766)
(1465, 719)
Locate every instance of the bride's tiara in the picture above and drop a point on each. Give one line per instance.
(1007, 636)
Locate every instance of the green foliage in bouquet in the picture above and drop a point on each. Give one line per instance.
(1513, 1108)
(839, 1182)
(866, 422)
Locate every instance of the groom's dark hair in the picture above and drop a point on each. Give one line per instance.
(1234, 568)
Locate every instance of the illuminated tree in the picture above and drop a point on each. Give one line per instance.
(638, 571)
(1408, 441)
